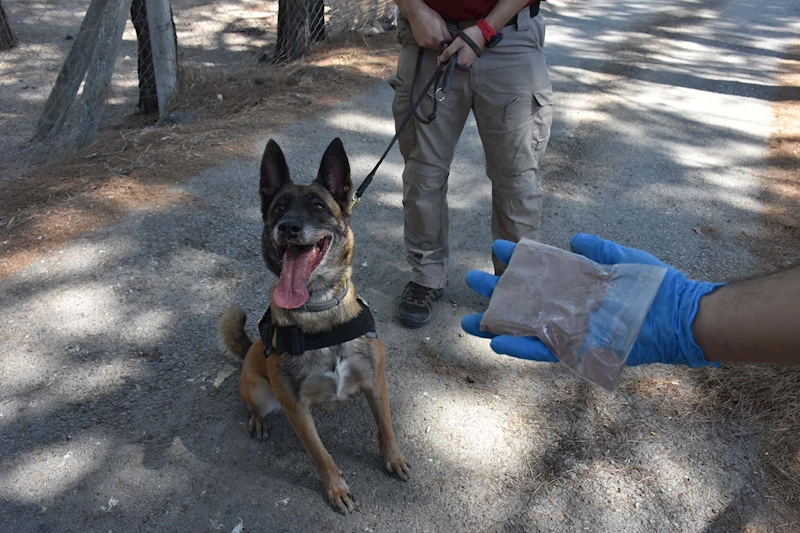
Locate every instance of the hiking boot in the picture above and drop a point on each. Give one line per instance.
(416, 304)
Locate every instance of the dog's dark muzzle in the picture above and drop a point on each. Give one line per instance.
(289, 228)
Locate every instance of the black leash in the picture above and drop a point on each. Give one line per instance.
(446, 70)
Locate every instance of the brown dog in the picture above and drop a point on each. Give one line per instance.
(307, 242)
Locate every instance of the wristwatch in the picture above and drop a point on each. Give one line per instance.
(491, 36)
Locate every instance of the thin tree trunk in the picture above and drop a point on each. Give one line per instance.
(317, 21)
(300, 23)
(148, 93)
(72, 73)
(101, 69)
(164, 46)
(7, 39)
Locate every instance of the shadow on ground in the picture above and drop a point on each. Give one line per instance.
(119, 413)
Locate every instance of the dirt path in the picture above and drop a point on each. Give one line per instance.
(119, 414)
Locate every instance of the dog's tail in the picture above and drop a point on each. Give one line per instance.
(232, 336)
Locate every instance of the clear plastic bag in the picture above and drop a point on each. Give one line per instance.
(588, 314)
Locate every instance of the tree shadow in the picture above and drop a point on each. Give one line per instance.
(494, 443)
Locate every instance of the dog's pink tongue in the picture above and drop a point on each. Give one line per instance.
(291, 291)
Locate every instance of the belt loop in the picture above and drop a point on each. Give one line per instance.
(524, 19)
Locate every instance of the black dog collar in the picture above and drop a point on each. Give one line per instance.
(292, 340)
(328, 304)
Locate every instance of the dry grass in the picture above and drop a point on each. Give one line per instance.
(764, 397)
(767, 398)
(763, 400)
(780, 242)
(134, 166)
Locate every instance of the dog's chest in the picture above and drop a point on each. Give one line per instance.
(332, 375)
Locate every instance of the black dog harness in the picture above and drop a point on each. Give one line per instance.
(294, 341)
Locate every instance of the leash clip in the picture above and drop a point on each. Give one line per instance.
(354, 200)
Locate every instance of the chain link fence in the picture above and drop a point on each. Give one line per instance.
(70, 66)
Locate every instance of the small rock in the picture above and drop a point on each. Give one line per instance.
(178, 117)
(258, 81)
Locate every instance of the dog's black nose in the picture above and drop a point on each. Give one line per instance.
(290, 228)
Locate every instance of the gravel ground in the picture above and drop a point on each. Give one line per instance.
(118, 412)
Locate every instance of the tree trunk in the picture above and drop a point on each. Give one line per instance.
(7, 39)
(148, 94)
(164, 47)
(148, 86)
(317, 21)
(72, 73)
(101, 68)
(300, 23)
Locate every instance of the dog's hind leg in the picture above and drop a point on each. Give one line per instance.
(261, 401)
(264, 404)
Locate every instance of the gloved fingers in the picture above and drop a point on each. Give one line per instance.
(482, 282)
(529, 348)
(472, 325)
(608, 252)
(503, 250)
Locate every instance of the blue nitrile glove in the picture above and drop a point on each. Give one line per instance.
(666, 335)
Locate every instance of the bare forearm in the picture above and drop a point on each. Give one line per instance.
(503, 12)
(409, 7)
(427, 25)
(755, 321)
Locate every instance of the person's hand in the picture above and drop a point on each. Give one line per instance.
(666, 335)
(428, 27)
(466, 55)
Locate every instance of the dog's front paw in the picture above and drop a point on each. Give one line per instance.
(395, 463)
(259, 427)
(339, 493)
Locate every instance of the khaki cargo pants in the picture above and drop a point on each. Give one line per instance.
(509, 92)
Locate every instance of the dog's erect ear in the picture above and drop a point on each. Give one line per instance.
(274, 175)
(334, 173)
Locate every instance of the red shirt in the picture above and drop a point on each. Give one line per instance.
(464, 9)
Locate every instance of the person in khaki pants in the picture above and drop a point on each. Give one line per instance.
(508, 90)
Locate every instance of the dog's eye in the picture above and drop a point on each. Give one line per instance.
(279, 208)
(319, 208)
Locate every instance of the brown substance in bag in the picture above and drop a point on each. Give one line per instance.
(550, 294)
(548, 286)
